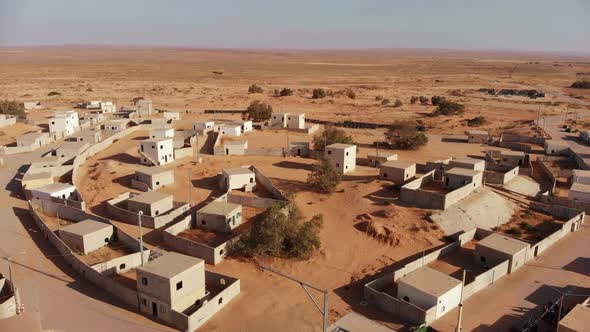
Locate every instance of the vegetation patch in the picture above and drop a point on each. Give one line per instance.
(581, 84)
(255, 89)
(405, 135)
(12, 107)
(329, 136)
(324, 177)
(258, 111)
(446, 107)
(477, 121)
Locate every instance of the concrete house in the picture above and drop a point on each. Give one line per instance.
(87, 236)
(7, 120)
(116, 126)
(459, 177)
(230, 129)
(578, 319)
(87, 136)
(497, 248)
(279, 119)
(171, 115)
(108, 107)
(44, 163)
(468, 163)
(156, 152)
(154, 177)
(36, 180)
(477, 136)
(160, 123)
(554, 147)
(33, 140)
(299, 149)
(580, 176)
(427, 288)
(237, 178)
(245, 126)
(342, 157)
(69, 150)
(237, 148)
(514, 158)
(376, 158)
(144, 108)
(220, 216)
(204, 126)
(397, 171)
(64, 122)
(57, 190)
(173, 282)
(296, 120)
(152, 203)
(579, 192)
(162, 133)
(32, 105)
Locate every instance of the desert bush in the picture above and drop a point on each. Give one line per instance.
(54, 93)
(351, 94)
(258, 111)
(581, 85)
(378, 98)
(398, 103)
(318, 93)
(12, 107)
(423, 100)
(285, 92)
(255, 89)
(280, 232)
(477, 121)
(435, 100)
(405, 135)
(324, 177)
(514, 231)
(385, 102)
(527, 227)
(413, 99)
(331, 135)
(89, 89)
(446, 107)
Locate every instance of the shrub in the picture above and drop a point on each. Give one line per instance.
(385, 102)
(324, 177)
(477, 121)
(527, 227)
(398, 103)
(12, 107)
(255, 89)
(258, 111)
(446, 107)
(514, 231)
(378, 98)
(581, 85)
(435, 100)
(413, 100)
(285, 92)
(423, 100)
(54, 93)
(318, 93)
(89, 89)
(329, 136)
(351, 94)
(405, 135)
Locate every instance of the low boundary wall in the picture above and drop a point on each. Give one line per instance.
(546, 198)
(500, 174)
(411, 193)
(180, 210)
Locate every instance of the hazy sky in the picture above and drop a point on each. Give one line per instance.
(538, 25)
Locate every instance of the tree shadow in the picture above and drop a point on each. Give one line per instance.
(579, 265)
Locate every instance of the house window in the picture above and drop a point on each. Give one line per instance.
(122, 266)
(384, 175)
(144, 301)
(157, 212)
(161, 147)
(346, 153)
(179, 285)
(144, 281)
(482, 259)
(407, 299)
(329, 151)
(203, 222)
(251, 180)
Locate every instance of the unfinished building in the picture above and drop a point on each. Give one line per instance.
(468, 163)
(87, 235)
(477, 136)
(460, 177)
(376, 158)
(514, 158)
(342, 157)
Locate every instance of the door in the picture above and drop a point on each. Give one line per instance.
(166, 158)
(154, 309)
(298, 152)
(226, 151)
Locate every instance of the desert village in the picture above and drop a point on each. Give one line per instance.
(158, 209)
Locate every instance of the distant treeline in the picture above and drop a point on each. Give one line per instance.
(533, 94)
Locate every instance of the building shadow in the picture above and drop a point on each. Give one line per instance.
(293, 186)
(454, 140)
(123, 158)
(294, 165)
(579, 265)
(140, 138)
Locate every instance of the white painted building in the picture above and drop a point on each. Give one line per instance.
(162, 133)
(237, 178)
(108, 107)
(205, 126)
(342, 157)
(245, 126)
(171, 115)
(57, 190)
(144, 107)
(230, 129)
(156, 152)
(65, 122)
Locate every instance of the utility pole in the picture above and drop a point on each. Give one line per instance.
(190, 171)
(139, 214)
(460, 315)
(324, 312)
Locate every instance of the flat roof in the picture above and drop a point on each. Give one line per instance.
(354, 322)
(398, 164)
(467, 160)
(54, 187)
(477, 132)
(170, 265)
(580, 187)
(155, 170)
(236, 143)
(237, 171)
(341, 146)
(116, 121)
(219, 208)
(149, 197)
(32, 135)
(86, 227)
(381, 153)
(512, 153)
(581, 172)
(578, 319)
(462, 172)
(503, 243)
(430, 281)
(157, 140)
(232, 125)
(37, 176)
(162, 129)
(69, 145)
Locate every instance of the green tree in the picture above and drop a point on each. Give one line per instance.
(12, 107)
(398, 103)
(423, 100)
(351, 94)
(435, 100)
(318, 93)
(413, 100)
(258, 111)
(329, 136)
(255, 89)
(405, 135)
(285, 92)
(447, 107)
(477, 121)
(324, 177)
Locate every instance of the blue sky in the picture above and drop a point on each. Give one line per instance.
(535, 25)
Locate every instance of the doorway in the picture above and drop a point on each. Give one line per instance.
(154, 309)
(298, 152)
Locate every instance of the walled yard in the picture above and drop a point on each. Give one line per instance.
(458, 260)
(128, 278)
(106, 253)
(530, 226)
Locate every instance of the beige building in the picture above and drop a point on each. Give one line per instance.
(580, 176)
(497, 248)
(152, 203)
(477, 136)
(116, 126)
(468, 163)
(553, 147)
(578, 319)
(87, 136)
(70, 150)
(154, 177)
(237, 178)
(205, 126)
(172, 282)
(171, 115)
(34, 140)
(299, 149)
(397, 171)
(296, 120)
(87, 236)
(45, 163)
(459, 177)
(220, 216)
(162, 133)
(342, 157)
(376, 158)
(237, 148)
(36, 180)
(230, 129)
(427, 288)
(279, 119)
(245, 125)
(514, 158)
(57, 190)
(579, 192)
(144, 108)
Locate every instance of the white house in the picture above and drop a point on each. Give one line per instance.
(57, 190)
(342, 157)
(231, 129)
(171, 115)
(237, 178)
(205, 126)
(108, 107)
(144, 107)
(245, 126)
(66, 122)
(296, 120)
(156, 152)
(162, 133)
